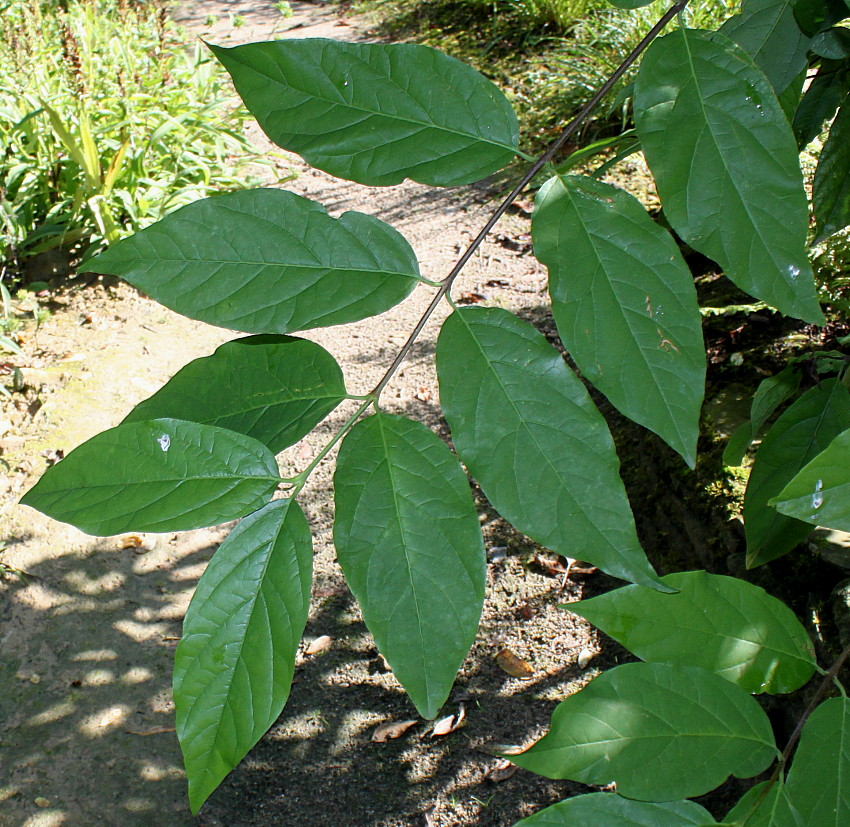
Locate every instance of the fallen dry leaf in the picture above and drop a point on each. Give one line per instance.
(391, 729)
(130, 541)
(500, 771)
(157, 730)
(319, 645)
(516, 667)
(471, 297)
(585, 657)
(450, 723)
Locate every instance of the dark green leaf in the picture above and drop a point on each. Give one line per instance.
(814, 16)
(765, 806)
(722, 624)
(726, 165)
(266, 261)
(660, 732)
(630, 4)
(608, 810)
(376, 113)
(820, 493)
(771, 393)
(159, 475)
(797, 437)
(738, 444)
(408, 539)
(790, 98)
(526, 429)
(272, 388)
(821, 101)
(833, 43)
(831, 188)
(625, 305)
(234, 665)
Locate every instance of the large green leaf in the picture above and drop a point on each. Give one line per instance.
(767, 31)
(798, 436)
(819, 781)
(234, 665)
(625, 304)
(609, 810)
(266, 261)
(766, 806)
(158, 475)
(376, 113)
(660, 732)
(526, 429)
(821, 100)
(271, 388)
(408, 539)
(820, 492)
(831, 187)
(723, 624)
(726, 165)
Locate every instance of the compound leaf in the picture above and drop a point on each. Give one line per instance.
(408, 540)
(234, 664)
(529, 433)
(266, 261)
(272, 388)
(730, 180)
(376, 113)
(831, 187)
(625, 305)
(158, 475)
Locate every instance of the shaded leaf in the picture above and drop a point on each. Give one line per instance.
(814, 16)
(765, 805)
(234, 665)
(733, 146)
(722, 624)
(159, 475)
(771, 393)
(272, 388)
(625, 304)
(409, 542)
(266, 261)
(376, 113)
(798, 436)
(738, 444)
(391, 730)
(820, 101)
(528, 432)
(514, 666)
(657, 731)
(832, 43)
(831, 187)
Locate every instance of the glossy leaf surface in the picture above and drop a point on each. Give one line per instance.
(266, 261)
(730, 182)
(272, 388)
(158, 475)
(797, 437)
(527, 430)
(722, 624)
(408, 540)
(375, 113)
(831, 188)
(234, 664)
(660, 732)
(762, 807)
(625, 304)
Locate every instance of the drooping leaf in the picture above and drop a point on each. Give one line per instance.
(266, 261)
(625, 304)
(408, 540)
(821, 100)
(820, 492)
(376, 113)
(527, 430)
(819, 780)
(765, 807)
(272, 388)
(771, 393)
(722, 624)
(797, 437)
(157, 475)
(234, 664)
(660, 732)
(730, 181)
(609, 809)
(831, 187)
(767, 31)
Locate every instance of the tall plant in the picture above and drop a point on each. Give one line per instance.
(720, 118)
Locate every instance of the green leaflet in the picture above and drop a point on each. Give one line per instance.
(762, 807)
(660, 732)
(730, 180)
(767, 31)
(526, 429)
(408, 540)
(625, 305)
(819, 781)
(607, 810)
(272, 388)
(820, 101)
(158, 475)
(722, 624)
(234, 664)
(376, 113)
(799, 435)
(266, 261)
(831, 187)
(820, 492)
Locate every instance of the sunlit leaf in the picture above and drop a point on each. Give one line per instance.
(831, 187)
